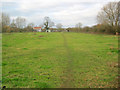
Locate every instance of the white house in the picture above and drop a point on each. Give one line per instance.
(38, 29)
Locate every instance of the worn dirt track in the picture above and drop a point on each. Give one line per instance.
(68, 72)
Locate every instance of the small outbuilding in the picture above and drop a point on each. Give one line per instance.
(48, 30)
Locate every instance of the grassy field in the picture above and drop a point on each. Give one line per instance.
(57, 60)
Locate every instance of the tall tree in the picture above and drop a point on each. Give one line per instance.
(5, 19)
(13, 23)
(78, 26)
(59, 25)
(48, 23)
(5, 22)
(51, 24)
(109, 15)
(20, 22)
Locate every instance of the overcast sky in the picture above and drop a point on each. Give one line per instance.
(67, 12)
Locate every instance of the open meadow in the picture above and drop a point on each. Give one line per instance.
(59, 60)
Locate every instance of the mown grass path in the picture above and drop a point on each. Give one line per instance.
(68, 72)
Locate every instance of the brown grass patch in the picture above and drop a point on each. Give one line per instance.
(112, 64)
(41, 36)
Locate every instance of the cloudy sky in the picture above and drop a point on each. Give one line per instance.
(67, 12)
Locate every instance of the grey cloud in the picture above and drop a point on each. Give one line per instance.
(67, 12)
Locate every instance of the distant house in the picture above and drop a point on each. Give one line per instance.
(38, 29)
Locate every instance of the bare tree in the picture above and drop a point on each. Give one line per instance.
(78, 26)
(48, 23)
(5, 22)
(20, 22)
(5, 19)
(51, 24)
(13, 24)
(109, 15)
(59, 25)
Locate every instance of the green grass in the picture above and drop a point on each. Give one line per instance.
(58, 60)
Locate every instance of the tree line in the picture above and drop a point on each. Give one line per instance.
(19, 24)
(108, 21)
(15, 25)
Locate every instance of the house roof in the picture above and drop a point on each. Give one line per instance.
(37, 27)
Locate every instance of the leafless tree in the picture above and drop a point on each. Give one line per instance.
(5, 19)
(59, 25)
(109, 15)
(13, 23)
(20, 22)
(78, 26)
(51, 24)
